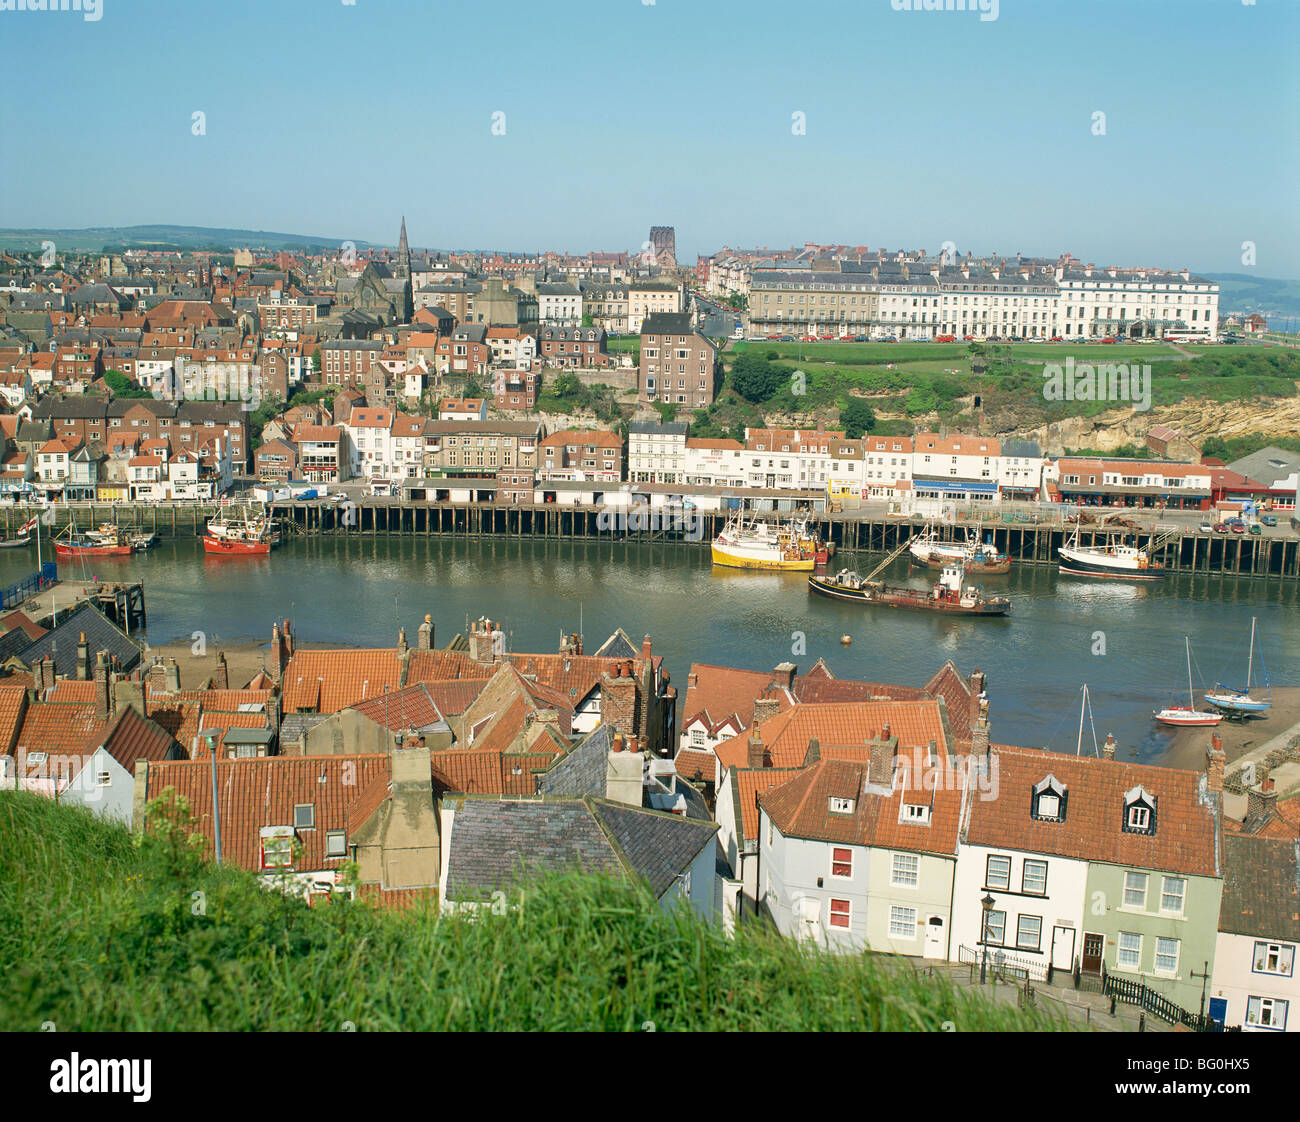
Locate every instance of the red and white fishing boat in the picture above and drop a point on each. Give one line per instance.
(104, 543)
(239, 536)
(1187, 716)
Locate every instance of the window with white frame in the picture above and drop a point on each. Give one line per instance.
(841, 806)
(1129, 953)
(1274, 958)
(905, 870)
(1029, 933)
(1135, 890)
(304, 816)
(902, 923)
(1034, 878)
(998, 872)
(914, 813)
(1266, 1012)
(336, 844)
(1173, 891)
(995, 928)
(1166, 956)
(841, 912)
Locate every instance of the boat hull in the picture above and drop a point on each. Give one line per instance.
(1237, 704)
(1182, 716)
(976, 568)
(16, 543)
(909, 599)
(223, 548)
(63, 550)
(739, 559)
(1085, 565)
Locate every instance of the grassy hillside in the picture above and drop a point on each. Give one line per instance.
(922, 382)
(98, 933)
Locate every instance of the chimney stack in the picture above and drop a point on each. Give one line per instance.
(624, 780)
(103, 689)
(785, 672)
(814, 752)
(424, 639)
(288, 639)
(764, 707)
(83, 659)
(1261, 802)
(402, 646)
(979, 734)
(279, 652)
(222, 676)
(1108, 749)
(692, 680)
(645, 648)
(173, 676)
(756, 756)
(1215, 760)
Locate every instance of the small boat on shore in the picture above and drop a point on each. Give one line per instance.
(975, 556)
(1118, 560)
(1241, 702)
(950, 593)
(22, 538)
(1188, 716)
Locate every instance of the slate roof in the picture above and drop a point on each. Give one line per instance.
(582, 771)
(1262, 465)
(493, 844)
(1261, 888)
(102, 634)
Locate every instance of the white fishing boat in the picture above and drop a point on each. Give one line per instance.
(1188, 715)
(788, 547)
(1117, 560)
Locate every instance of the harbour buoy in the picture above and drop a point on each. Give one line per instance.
(846, 639)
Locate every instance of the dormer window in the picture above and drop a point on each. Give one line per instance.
(1048, 800)
(1139, 811)
(841, 806)
(915, 814)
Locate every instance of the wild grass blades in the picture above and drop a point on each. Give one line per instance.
(92, 938)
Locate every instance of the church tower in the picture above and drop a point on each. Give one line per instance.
(403, 269)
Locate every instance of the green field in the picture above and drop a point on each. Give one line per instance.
(100, 934)
(871, 353)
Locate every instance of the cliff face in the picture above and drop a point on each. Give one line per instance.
(1196, 419)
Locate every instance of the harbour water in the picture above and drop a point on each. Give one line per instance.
(1124, 640)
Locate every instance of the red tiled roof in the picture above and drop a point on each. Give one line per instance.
(849, 726)
(260, 792)
(1185, 833)
(801, 808)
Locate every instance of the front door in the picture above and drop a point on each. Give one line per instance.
(1063, 948)
(1092, 948)
(934, 938)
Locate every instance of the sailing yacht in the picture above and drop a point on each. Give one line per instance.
(1239, 700)
(1188, 715)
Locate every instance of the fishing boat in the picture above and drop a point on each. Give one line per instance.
(143, 541)
(1117, 560)
(786, 547)
(239, 536)
(1240, 701)
(72, 543)
(950, 593)
(978, 557)
(1188, 716)
(22, 538)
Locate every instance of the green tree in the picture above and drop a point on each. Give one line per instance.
(122, 386)
(667, 411)
(858, 418)
(756, 379)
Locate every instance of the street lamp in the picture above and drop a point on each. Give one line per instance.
(211, 736)
(987, 905)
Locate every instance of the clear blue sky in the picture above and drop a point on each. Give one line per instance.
(334, 119)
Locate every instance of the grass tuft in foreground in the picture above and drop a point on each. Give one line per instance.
(101, 932)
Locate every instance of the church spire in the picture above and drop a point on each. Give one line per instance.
(403, 253)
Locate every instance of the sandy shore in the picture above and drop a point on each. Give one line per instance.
(1187, 746)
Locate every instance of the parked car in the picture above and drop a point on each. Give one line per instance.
(1256, 528)
(1220, 527)
(1206, 528)
(1237, 526)
(1268, 519)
